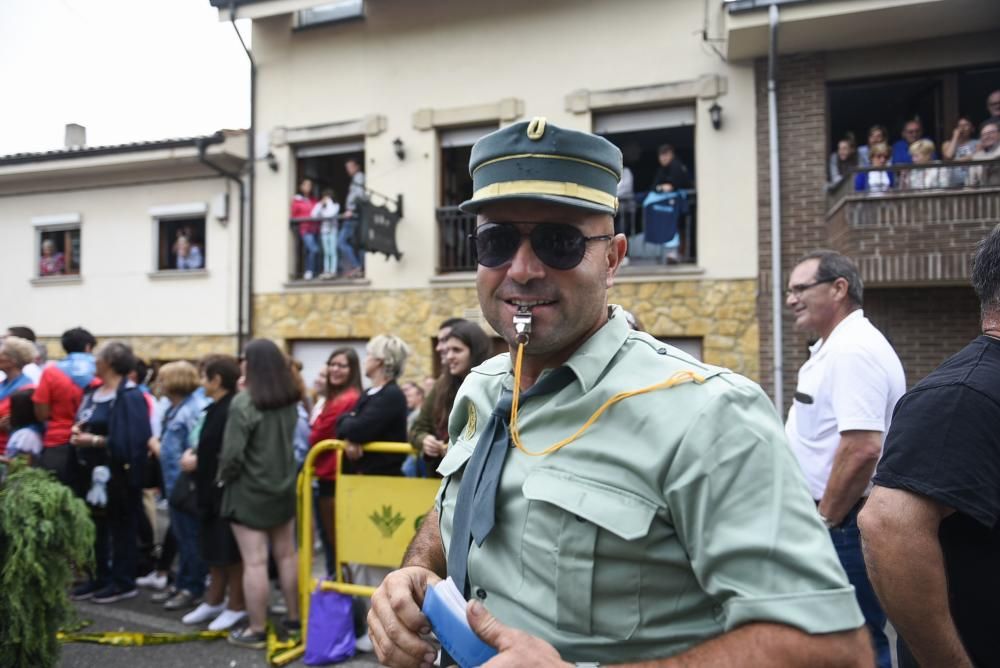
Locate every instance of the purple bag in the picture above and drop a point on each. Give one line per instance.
(330, 636)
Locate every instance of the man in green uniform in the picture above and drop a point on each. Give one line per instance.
(668, 525)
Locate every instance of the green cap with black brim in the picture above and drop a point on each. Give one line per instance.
(539, 161)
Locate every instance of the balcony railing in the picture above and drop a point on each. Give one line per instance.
(924, 229)
(331, 261)
(455, 253)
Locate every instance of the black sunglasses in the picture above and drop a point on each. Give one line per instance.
(558, 245)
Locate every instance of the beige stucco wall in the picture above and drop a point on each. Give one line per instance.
(407, 56)
(119, 293)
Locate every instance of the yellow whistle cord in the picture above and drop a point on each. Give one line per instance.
(677, 379)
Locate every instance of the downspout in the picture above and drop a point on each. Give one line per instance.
(776, 287)
(251, 178)
(232, 176)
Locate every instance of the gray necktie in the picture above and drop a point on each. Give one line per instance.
(475, 508)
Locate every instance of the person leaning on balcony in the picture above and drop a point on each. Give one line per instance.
(346, 240)
(877, 134)
(302, 208)
(993, 106)
(960, 147)
(931, 527)
(922, 153)
(842, 162)
(913, 130)
(989, 149)
(677, 525)
(878, 179)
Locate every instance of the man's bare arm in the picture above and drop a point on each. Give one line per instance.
(899, 532)
(758, 644)
(426, 549)
(42, 412)
(853, 465)
(395, 622)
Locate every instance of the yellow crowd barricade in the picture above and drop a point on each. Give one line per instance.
(375, 517)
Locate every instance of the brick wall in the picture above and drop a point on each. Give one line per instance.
(802, 149)
(926, 326)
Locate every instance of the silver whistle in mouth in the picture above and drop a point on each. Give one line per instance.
(522, 324)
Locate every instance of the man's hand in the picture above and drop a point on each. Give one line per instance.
(395, 622)
(434, 447)
(517, 648)
(189, 461)
(353, 451)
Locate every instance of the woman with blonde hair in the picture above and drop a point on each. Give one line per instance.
(381, 412)
(178, 381)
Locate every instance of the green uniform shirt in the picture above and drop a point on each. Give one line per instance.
(680, 514)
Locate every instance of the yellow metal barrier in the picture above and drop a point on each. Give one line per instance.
(375, 520)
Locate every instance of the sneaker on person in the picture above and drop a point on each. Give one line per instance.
(182, 599)
(203, 613)
(152, 580)
(363, 643)
(83, 591)
(164, 594)
(113, 593)
(308, 275)
(227, 619)
(244, 637)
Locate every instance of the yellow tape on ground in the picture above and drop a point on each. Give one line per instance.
(130, 639)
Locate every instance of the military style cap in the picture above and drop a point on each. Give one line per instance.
(538, 161)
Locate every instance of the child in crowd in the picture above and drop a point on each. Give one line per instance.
(922, 152)
(328, 209)
(26, 432)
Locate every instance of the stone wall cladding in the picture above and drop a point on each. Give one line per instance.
(721, 312)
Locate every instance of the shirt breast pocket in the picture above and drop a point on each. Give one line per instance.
(585, 539)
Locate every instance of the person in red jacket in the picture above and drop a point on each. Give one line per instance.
(60, 390)
(343, 389)
(302, 207)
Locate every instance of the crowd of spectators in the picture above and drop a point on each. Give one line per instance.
(218, 444)
(875, 166)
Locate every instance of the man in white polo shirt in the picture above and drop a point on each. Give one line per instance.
(841, 411)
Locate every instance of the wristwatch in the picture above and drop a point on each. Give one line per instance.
(587, 664)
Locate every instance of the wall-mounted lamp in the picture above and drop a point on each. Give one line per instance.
(715, 113)
(397, 147)
(272, 161)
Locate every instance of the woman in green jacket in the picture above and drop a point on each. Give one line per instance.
(258, 471)
(465, 347)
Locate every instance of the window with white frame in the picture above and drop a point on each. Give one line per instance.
(58, 245)
(179, 237)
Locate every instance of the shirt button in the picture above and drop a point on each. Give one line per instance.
(480, 593)
(662, 351)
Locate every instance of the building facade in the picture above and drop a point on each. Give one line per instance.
(843, 67)
(137, 242)
(406, 89)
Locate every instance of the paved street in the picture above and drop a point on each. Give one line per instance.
(139, 614)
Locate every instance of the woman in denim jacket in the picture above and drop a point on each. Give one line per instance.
(179, 382)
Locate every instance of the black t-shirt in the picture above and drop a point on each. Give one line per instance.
(944, 443)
